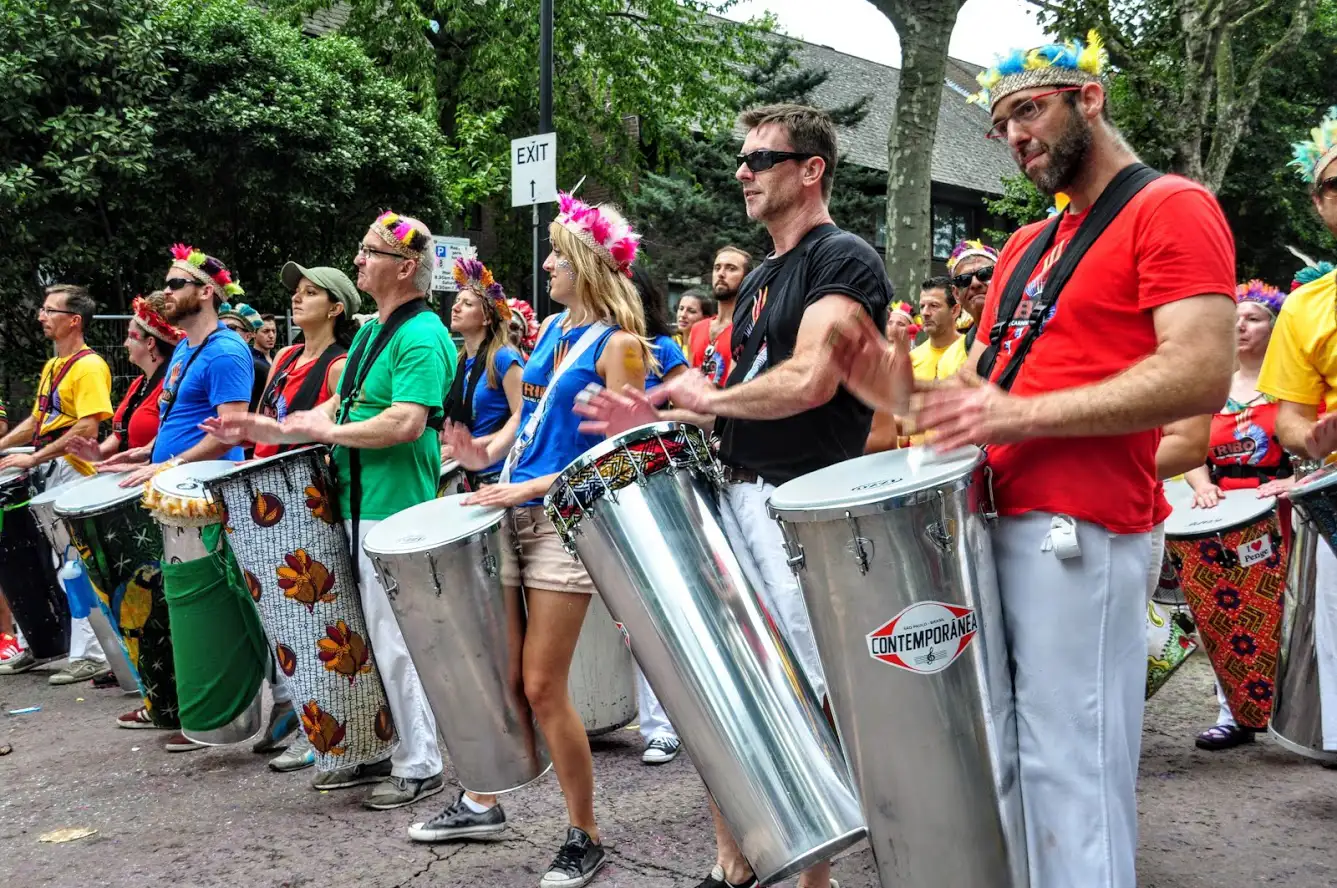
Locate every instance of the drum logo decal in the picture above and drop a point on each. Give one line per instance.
(1255, 551)
(925, 637)
(626, 636)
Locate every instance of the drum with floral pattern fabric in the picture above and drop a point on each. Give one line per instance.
(1231, 561)
(285, 531)
(1169, 643)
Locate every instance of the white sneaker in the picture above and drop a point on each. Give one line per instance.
(661, 750)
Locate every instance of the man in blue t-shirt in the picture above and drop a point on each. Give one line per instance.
(210, 372)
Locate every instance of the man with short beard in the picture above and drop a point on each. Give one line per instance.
(708, 347)
(1071, 408)
(938, 311)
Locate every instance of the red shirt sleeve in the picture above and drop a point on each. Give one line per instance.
(1184, 249)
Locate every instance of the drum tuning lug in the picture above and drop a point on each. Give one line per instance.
(388, 582)
(857, 544)
(793, 550)
(941, 534)
(436, 580)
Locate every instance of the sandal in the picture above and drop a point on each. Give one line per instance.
(1220, 737)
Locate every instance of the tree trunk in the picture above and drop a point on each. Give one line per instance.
(925, 29)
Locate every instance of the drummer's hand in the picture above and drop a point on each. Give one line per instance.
(142, 474)
(1208, 497)
(18, 461)
(83, 448)
(306, 425)
(240, 428)
(1275, 487)
(975, 412)
(1322, 438)
(875, 370)
(464, 448)
(608, 413)
(503, 495)
(119, 462)
(690, 391)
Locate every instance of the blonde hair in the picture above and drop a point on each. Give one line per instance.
(602, 290)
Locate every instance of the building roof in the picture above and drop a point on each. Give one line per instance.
(961, 155)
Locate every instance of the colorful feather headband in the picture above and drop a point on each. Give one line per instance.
(470, 274)
(1266, 295)
(907, 310)
(153, 323)
(968, 248)
(400, 235)
(525, 313)
(205, 269)
(1312, 158)
(1055, 64)
(612, 241)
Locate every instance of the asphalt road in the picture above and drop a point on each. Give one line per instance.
(218, 817)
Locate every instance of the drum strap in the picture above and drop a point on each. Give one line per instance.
(460, 401)
(526, 436)
(45, 399)
(1123, 188)
(169, 396)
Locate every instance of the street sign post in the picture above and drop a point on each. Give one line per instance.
(534, 181)
(448, 249)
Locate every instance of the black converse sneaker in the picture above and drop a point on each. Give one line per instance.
(459, 821)
(576, 863)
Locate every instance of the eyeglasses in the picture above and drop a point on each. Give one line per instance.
(234, 328)
(763, 158)
(1327, 187)
(54, 311)
(175, 284)
(961, 281)
(364, 251)
(1026, 113)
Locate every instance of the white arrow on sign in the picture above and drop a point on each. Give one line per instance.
(534, 170)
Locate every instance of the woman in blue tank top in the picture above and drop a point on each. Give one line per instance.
(599, 338)
(485, 391)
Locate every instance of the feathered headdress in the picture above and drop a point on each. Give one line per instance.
(154, 323)
(471, 274)
(525, 312)
(1312, 158)
(908, 310)
(205, 269)
(1055, 64)
(612, 240)
(1266, 295)
(968, 248)
(1312, 271)
(401, 237)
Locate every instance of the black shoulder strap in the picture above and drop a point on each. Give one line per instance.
(1122, 189)
(460, 403)
(181, 380)
(283, 365)
(308, 393)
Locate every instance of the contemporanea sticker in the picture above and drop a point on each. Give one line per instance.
(925, 637)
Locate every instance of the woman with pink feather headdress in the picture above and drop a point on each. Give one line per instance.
(599, 339)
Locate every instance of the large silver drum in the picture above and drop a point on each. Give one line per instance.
(641, 510)
(440, 563)
(896, 566)
(602, 683)
(1297, 705)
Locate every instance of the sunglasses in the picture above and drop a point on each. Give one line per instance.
(961, 281)
(763, 158)
(175, 284)
(234, 328)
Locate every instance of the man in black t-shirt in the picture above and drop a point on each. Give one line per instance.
(782, 412)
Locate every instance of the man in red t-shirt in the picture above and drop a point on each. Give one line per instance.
(708, 342)
(1141, 337)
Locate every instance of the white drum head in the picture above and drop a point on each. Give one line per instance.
(95, 494)
(9, 476)
(873, 479)
(53, 494)
(429, 526)
(186, 481)
(1237, 508)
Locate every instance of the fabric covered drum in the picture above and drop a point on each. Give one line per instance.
(286, 534)
(1169, 643)
(43, 507)
(1231, 561)
(440, 564)
(642, 511)
(27, 576)
(452, 479)
(222, 655)
(121, 547)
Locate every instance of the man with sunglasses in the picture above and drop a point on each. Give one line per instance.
(1105, 334)
(73, 397)
(970, 268)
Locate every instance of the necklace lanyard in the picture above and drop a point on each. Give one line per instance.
(170, 398)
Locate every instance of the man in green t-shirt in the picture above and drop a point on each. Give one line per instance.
(382, 425)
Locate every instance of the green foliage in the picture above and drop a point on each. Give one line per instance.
(1020, 204)
(131, 124)
(691, 204)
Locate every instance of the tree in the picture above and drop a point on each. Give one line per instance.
(925, 29)
(690, 204)
(131, 124)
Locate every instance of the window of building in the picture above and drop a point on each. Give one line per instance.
(951, 225)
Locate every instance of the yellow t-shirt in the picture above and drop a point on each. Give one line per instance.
(953, 359)
(85, 391)
(926, 360)
(1301, 361)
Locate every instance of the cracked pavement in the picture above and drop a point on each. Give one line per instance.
(218, 817)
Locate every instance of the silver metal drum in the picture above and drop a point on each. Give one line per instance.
(440, 562)
(43, 507)
(602, 683)
(896, 566)
(1297, 706)
(641, 510)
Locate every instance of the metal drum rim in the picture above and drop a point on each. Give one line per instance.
(824, 851)
(245, 467)
(1271, 511)
(592, 456)
(131, 493)
(1311, 484)
(472, 536)
(888, 503)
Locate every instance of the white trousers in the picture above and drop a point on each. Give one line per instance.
(1076, 633)
(760, 548)
(1157, 557)
(654, 720)
(83, 642)
(418, 756)
(1325, 638)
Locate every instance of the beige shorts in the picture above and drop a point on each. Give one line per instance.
(543, 563)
